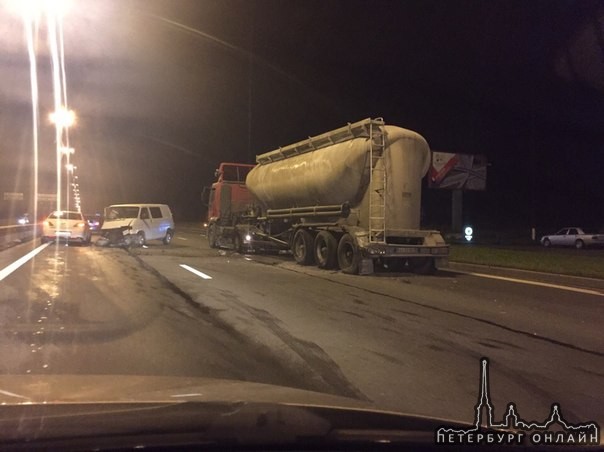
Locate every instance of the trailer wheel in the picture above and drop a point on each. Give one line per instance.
(326, 250)
(212, 236)
(348, 255)
(302, 247)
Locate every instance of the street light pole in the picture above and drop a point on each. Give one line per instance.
(67, 152)
(62, 119)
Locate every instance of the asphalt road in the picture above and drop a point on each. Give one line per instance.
(404, 342)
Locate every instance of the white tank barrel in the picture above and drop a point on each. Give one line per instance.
(407, 161)
(328, 176)
(340, 173)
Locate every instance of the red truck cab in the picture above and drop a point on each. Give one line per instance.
(229, 195)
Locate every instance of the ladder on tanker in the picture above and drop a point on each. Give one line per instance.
(377, 184)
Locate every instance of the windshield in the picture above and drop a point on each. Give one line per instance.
(121, 212)
(65, 216)
(350, 198)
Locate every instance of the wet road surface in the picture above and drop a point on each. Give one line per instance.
(401, 341)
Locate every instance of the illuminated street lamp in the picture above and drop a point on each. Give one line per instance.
(70, 167)
(67, 151)
(63, 118)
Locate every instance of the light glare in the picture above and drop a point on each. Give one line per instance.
(63, 117)
(32, 9)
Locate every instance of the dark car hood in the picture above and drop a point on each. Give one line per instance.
(15, 389)
(53, 411)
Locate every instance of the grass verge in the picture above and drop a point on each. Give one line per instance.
(560, 261)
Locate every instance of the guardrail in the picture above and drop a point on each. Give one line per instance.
(18, 233)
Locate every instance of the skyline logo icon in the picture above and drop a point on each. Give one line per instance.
(514, 430)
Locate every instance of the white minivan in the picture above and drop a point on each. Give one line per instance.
(138, 223)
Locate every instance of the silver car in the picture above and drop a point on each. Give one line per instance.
(66, 225)
(573, 236)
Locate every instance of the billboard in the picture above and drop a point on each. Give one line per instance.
(458, 171)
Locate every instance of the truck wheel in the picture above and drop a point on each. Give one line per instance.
(326, 250)
(348, 255)
(302, 247)
(212, 236)
(547, 243)
(579, 244)
(423, 266)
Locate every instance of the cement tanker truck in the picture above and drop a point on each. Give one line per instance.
(347, 199)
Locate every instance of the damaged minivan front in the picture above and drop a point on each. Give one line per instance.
(134, 224)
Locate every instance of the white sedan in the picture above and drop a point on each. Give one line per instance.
(66, 225)
(576, 237)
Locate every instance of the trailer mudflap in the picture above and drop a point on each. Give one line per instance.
(366, 267)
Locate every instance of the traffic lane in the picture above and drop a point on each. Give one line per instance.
(39, 301)
(87, 310)
(78, 287)
(12, 254)
(547, 312)
(550, 313)
(399, 352)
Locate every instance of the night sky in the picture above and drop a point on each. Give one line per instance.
(166, 90)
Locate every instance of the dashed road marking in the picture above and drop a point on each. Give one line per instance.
(195, 271)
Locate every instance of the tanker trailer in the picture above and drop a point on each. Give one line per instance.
(348, 198)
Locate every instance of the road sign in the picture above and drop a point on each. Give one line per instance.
(11, 196)
(458, 171)
(45, 197)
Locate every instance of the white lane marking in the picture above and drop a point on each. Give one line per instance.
(22, 260)
(533, 283)
(193, 394)
(195, 271)
(247, 258)
(181, 238)
(12, 394)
